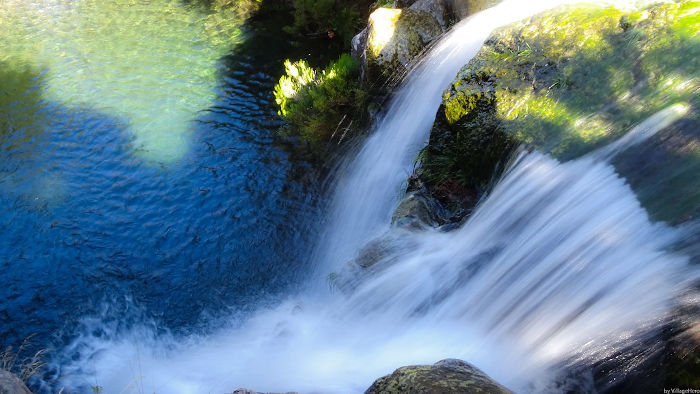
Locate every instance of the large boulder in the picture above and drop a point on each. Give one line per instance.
(567, 82)
(437, 8)
(463, 8)
(391, 41)
(11, 384)
(444, 377)
(394, 36)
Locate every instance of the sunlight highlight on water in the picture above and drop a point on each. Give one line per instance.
(152, 65)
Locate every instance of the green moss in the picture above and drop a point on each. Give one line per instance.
(447, 376)
(320, 105)
(396, 37)
(563, 70)
(470, 88)
(573, 79)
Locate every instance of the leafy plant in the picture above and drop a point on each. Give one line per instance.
(320, 105)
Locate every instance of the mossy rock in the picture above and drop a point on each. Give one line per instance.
(571, 80)
(394, 38)
(444, 377)
(417, 212)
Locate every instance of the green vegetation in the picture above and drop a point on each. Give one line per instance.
(320, 106)
(571, 80)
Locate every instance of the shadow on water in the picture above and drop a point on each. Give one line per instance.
(91, 230)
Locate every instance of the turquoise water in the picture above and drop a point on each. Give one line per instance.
(149, 64)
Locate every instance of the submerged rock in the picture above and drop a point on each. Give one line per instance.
(394, 37)
(378, 254)
(417, 212)
(567, 82)
(446, 376)
(11, 384)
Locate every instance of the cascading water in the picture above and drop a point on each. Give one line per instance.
(560, 262)
(370, 186)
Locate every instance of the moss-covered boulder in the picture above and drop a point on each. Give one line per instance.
(390, 42)
(569, 81)
(416, 212)
(444, 377)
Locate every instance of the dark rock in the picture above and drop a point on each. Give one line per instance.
(403, 3)
(417, 212)
(376, 255)
(11, 384)
(463, 8)
(446, 376)
(391, 41)
(437, 8)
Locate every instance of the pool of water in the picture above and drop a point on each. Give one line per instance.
(141, 176)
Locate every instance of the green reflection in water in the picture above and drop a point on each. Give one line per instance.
(150, 63)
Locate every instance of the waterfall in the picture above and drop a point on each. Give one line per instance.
(559, 263)
(370, 186)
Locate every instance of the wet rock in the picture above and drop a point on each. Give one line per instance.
(456, 9)
(376, 255)
(446, 376)
(391, 41)
(11, 384)
(358, 269)
(358, 45)
(567, 82)
(437, 8)
(417, 212)
(395, 36)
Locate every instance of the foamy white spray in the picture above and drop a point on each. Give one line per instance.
(559, 261)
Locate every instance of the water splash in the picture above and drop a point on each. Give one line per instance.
(645, 130)
(149, 64)
(559, 262)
